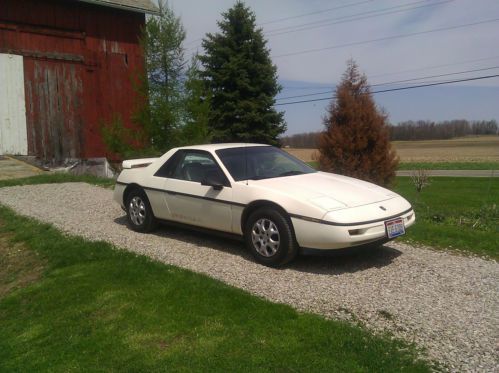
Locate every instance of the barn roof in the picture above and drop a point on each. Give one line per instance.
(141, 6)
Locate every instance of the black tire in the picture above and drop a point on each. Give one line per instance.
(140, 217)
(262, 243)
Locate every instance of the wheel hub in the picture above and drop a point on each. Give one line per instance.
(137, 210)
(265, 237)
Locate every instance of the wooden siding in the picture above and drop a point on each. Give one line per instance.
(78, 63)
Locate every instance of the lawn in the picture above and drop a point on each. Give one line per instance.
(449, 166)
(67, 304)
(58, 177)
(439, 165)
(457, 213)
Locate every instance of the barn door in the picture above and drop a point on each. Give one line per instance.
(54, 111)
(13, 136)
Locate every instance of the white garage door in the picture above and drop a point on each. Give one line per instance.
(13, 135)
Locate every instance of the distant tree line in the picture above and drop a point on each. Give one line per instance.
(428, 130)
(307, 140)
(411, 130)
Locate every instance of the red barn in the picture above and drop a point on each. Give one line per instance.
(66, 66)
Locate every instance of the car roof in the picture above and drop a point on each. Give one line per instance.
(213, 147)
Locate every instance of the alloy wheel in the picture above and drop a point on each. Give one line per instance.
(265, 237)
(137, 210)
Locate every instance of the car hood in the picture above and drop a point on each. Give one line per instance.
(328, 191)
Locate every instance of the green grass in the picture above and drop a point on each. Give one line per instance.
(458, 213)
(59, 177)
(313, 164)
(439, 165)
(96, 308)
(449, 166)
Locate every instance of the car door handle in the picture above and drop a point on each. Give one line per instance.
(171, 192)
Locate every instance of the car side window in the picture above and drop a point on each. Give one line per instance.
(169, 166)
(195, 165)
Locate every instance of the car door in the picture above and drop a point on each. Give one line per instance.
(190, 202)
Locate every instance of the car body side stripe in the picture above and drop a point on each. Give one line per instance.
(190, 195)
(301, 217)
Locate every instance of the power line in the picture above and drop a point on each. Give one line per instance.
(334, 90)
(396, 82)
(343, 19)
(300, 16)
(432, 67)
(352, 17)
(435, 66)
(316, 12)
(397, 89)
(436, 76)
(387, 38)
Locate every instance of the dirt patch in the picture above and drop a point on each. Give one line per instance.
(306, 155)
(20, 266)
(11, 168)
(465, 149)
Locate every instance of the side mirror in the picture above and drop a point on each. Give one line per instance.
(213, 179)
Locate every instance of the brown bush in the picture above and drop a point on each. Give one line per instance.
(356, 139)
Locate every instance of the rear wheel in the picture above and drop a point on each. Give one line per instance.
(269, 237)
(140, 217)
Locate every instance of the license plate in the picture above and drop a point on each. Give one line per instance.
(395, 228)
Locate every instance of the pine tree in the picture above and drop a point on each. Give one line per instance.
(242, 81)
(356, 138)
(165, 65)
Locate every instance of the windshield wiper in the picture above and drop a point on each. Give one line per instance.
(291, 173)
(287, 173)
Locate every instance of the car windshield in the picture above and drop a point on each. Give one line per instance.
(261, 162)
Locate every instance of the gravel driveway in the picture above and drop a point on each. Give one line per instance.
(447, 303)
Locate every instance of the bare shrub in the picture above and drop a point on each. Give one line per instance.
(420, 179)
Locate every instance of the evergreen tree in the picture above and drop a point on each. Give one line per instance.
(165, 66)
(356, 138)
(242, 81)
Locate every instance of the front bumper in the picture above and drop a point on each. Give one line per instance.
(324, 236)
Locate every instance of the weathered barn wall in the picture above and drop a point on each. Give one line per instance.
(78, 63)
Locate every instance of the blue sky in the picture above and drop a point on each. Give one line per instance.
(389, 60)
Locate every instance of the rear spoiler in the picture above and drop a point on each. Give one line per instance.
(138, 163)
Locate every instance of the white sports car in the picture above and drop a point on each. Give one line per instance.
(277, 203)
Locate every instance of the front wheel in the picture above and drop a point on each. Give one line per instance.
(139, 213)
(269, 237)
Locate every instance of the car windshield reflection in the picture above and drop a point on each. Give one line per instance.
(261, 162)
